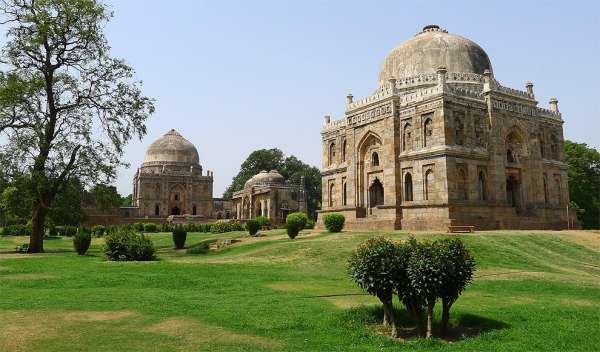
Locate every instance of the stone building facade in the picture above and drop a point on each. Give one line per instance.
(170, 181)
(268, 194)
(441, 142)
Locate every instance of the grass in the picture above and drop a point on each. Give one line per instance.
(534, 291)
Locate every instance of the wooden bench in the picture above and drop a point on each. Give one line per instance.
(461, 228)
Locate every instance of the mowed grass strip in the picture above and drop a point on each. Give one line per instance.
(534, 290)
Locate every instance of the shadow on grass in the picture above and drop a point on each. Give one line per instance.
(462, 325)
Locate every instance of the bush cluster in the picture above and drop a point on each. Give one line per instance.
(294, 223)
(253, 225)
(150, 228)
(98, 230)
(138, 226)
(16, 230)
(418, 273)
(124, 244)
(179, 237)
(82, 241)
(310, 224)
(334, 222)
(52, 231)
(66, 231)
(263, 221)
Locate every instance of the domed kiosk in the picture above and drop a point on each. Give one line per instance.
(441, 143)
(170, 181)
(269, 194)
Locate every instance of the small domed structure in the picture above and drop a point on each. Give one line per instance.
(264, 177)
(432, 48)
(172, 148)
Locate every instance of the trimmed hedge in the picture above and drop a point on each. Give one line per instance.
(263, 221)
(179, 237)
(150, 228)
(82, 241)
(334, 222)
(294, 223)
(253, 225)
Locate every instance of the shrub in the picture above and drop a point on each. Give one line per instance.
(220, 226)
(52, 231)
(263, 221)
(295, 222)
(68, 231)
(179, 237)
(334, 222)
(166, 227)
(310, 224)
(253, 226)
(235, 225)
(126, 245)
(138, 226)
(150, 228)
(374, 266)
(82, 241)
(98, 230)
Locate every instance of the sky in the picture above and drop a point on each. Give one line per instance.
(236, 76)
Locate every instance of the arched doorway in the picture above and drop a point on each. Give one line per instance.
(375, 194)
(175, 211)
(512, 191)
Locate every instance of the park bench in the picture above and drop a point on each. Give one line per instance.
(461, 228)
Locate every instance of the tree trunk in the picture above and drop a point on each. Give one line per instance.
(445, 314)
(388, 313)
(36, 241)
(429, 320)
(417, 314)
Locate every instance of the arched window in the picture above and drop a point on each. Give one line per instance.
(408, 187)
(156, 210)
(344, 146)
(331, 194)
(344, 194)
(463, 193)
(429, 184)
(194, 210)
(331, 153)
(545, 189)
(375, 194)
(176, 196)
(374, 159)
(542, 146)
(407, 137)
(427, 133)
(554, 147)
(510, 157)
(459, 132)
(482, 186)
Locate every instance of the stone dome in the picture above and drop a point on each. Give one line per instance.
(172, 148)
(432, 48)
(266, 177)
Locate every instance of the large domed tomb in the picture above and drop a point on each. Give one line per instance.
(170, 180)
(441, 142)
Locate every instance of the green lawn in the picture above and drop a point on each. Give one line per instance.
(533, 291)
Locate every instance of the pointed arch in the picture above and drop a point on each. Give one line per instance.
(408, 187)
(428, 132)
(429, 185)
(407, 137)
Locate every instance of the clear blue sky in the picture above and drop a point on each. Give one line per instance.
(235, 76)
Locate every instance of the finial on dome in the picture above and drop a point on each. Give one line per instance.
(433, 28)
(529, 87)
(554, 104)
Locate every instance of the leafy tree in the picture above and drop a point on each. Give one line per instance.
(426, 273)
(67, 107)
(374, 266)
(584, 181)
(459, 266)
(291, 168)
(105, 197)
(407, 294)
(66, 208)
(127, 200)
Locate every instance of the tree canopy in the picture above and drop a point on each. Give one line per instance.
(67, 108)
(584, 182)
(290, 167)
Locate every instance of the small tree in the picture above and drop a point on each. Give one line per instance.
(82, 241)
(334, 222)
(458, 270)
(179, 237)
(374, 266)
(426, 273)
(407, 295)
(252, 226)
(294, 223)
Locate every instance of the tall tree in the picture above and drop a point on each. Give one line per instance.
(292, 168)
(68, 107)
(105, 197)
(584, 182)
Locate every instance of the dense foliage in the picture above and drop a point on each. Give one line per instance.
(98, 230)
(418, 273)
(584, 182)
(252, 226)
(82, 241)
(179, 237)
(150, 228)
(294, 223)
(263, 221)
(124, 244)
(334, 222)
(291, 168)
